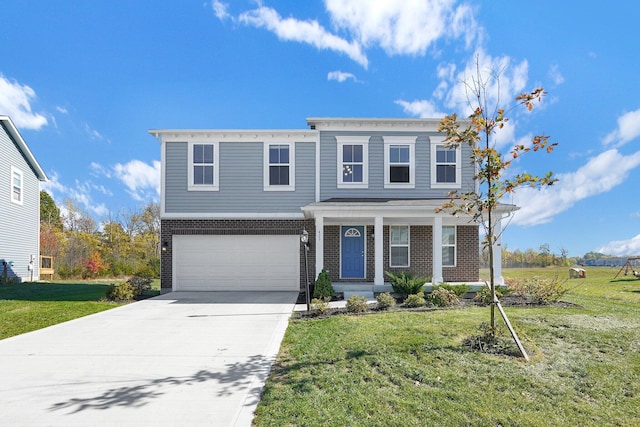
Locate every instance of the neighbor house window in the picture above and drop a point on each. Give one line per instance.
(399, 245)
(399, 162)
(448, 246)
(353, 167)
(279, 167)
(203, 166)
(445, 165)
(17, 186)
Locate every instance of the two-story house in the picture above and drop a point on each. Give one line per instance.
(235, 202)
(20, 177)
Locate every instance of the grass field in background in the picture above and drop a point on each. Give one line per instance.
(410, 369)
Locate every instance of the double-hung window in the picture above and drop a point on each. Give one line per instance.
(353, 167)
(203, 166)
(445, 165)
(17, 186)
(399, 246)
(279, 167)
(449, 246)
(399, 162)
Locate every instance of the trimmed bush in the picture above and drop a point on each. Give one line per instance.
(323, 287)
(385, 301)
(141, 285)
(458, 290)
(483, 296)
(319, 306)
(442, 297)
(415, 300)
(405, 284)
(121, 292)
(357, 304)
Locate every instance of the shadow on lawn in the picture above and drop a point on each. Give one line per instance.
(238, 377)
(43, 291)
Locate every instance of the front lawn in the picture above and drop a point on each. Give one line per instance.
(410, 368)
(26, 307)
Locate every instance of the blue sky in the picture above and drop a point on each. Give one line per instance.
(85, 81)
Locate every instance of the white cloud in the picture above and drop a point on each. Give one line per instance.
(220, 9)
(79, 193)
(142, 180)
(15, 102)
(407, 27)
(601, 173)
(62, 110)
(311, 32)
(341, 76)
(628, 129)
(420, 108)
(622, 247)
(556, 77)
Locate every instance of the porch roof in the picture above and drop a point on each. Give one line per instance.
(386, 207)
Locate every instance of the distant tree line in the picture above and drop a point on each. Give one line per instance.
(125, 244)
(543, 257)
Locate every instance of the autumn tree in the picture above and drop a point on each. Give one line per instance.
(494, 183)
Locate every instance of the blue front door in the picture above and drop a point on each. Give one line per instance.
(352, 252)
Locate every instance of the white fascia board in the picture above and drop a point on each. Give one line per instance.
(24, 148)
(234, 135)
(376, 124)
(232, 215)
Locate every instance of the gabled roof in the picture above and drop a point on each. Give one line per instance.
(24, 149)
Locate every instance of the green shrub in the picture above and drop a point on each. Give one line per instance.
(357, 304)
(442, 297)
(405, 284)
(121, 292)
(145, 272)
(458, 290)
(415, 300)
(319, 306)
(385, 301)
(323, 287)
(540, 289)
(140, 285)
(483, 296)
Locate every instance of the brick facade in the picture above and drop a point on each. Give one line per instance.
(171, 227)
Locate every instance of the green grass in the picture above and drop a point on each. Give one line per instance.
(27, 307)
(410, 369)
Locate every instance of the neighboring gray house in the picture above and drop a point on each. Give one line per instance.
(234, 203)
(20, 177)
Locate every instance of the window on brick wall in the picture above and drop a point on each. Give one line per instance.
(449, 246)
(399, 246)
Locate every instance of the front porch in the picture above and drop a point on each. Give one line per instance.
(370, 290)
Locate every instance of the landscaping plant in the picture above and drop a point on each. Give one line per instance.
(357, 304)
(323, 287)
(405, 284)
(385, 301)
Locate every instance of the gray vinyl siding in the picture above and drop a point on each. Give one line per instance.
(241, 183)
(329, 180)
(19, 224)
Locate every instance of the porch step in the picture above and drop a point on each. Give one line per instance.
(367, 294)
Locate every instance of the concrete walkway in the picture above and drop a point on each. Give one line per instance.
(184, 358)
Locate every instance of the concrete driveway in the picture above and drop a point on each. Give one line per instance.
(184, 358)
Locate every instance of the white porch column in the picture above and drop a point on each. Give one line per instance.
(437, 250)
(319, 245)
(379, 251)
(497, 252)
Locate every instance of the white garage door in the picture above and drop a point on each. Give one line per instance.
(236, 263)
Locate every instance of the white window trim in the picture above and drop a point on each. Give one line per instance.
(400, 140)
(438, 141)
(17, 171)
(292, 167)
(216, 168)
(408, 246)
(353, 140)
(454, 246)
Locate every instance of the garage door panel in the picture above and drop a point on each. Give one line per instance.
(236, 263)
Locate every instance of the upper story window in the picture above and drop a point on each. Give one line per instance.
(353, 161)
(399, 162)
(203, 166)
(399, 246)
(449, 246)
(279, 170)
(445, 165)
(17, 186)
